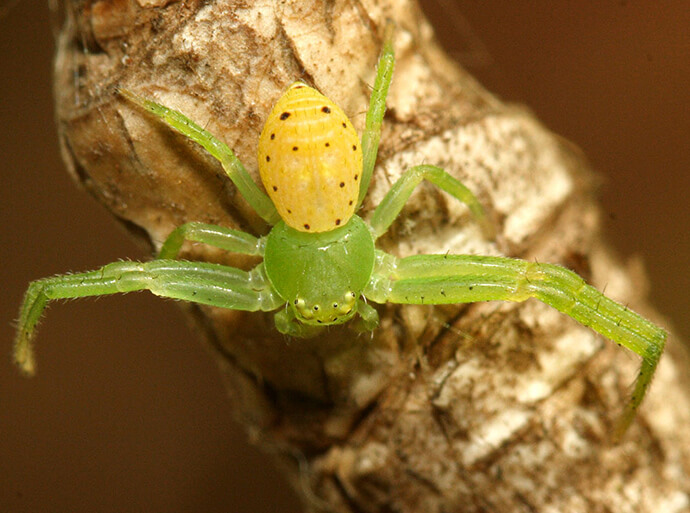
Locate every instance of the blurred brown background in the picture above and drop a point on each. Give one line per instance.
(127, 412)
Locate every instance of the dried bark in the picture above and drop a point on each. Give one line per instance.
(482, 407)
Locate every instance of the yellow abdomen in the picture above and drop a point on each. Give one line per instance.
(310, 160)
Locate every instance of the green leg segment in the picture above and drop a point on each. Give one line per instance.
(251, 192)
(366, 320)
(438, 279)
(368, 315)
(217, 236)
(397, 196)
(377, 109)
(198, 282)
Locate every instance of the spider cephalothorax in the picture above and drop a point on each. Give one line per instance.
(298, 264)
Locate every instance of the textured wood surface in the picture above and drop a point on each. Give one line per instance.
(487, 407)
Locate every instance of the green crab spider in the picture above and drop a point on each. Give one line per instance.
(320, 266)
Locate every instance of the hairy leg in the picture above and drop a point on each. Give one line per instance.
(446, 279)
(251, 192)
(397, 196)
(376, 111)
(198, 282)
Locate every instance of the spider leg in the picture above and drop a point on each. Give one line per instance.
(397, 196)
(368, 316)
(251, 192)
(444, 279)
(234, 241)
(377, 109)
(366, 320)
(197, 282)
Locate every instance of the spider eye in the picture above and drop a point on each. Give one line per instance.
(348, 303)
(301, 307)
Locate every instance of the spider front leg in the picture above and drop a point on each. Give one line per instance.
(377, 109)
(397, 196)
(235, 170)
(197, 282)
(447, 279)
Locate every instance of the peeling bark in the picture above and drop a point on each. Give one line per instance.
(482, 407)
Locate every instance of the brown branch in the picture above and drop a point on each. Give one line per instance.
(487, 407)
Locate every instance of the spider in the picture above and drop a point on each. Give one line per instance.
(320, 265)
